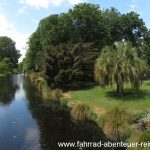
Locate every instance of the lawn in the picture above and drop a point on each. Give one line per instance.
(105, 98)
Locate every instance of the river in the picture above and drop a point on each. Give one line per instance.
(29, 123)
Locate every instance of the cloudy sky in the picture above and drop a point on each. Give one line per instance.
(19, 18)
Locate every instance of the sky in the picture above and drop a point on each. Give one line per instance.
(20, 18)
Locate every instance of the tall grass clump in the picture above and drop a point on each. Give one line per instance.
(39, 82)
(80, 112)
(115, 123)
(56, 94)
(140, 137)
(33, 76)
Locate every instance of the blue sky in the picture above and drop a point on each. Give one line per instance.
(19, 18)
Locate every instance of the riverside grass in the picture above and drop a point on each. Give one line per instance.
(79, 111)
(106, 99)
(102, 98)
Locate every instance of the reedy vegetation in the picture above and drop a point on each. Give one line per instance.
(115, 123)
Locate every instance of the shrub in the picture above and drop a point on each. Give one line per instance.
(33, 76)
(39, 82)
(115, 123)
(80, 112)
(138, 116)
(46, 93)
(140, 137)
(64, 102)
(142, 120)
(67, 64)
(56, 94)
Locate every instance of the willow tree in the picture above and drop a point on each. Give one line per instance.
(120, 63)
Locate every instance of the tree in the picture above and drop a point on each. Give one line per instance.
(133, 28)
(113, 26)
(69, 64)
(145, 48)
(87, 23)
(84, 23)
(115, 123)
(8, 49)
(120, 63)
(5, 67)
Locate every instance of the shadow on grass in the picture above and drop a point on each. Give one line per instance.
(79, 88)
(129, 94)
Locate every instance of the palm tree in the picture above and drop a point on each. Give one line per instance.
(119, 63)
(115, 123)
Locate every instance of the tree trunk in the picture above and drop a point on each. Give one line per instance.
(119, 89)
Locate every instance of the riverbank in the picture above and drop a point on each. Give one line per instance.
(92, 104)
(63, 98)
(100, 99)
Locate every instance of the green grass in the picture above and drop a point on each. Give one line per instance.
(105, 98)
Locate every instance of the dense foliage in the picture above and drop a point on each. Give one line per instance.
(9, 56)
(52, 47)
(8, 49)
(70, 64)
(5, 67)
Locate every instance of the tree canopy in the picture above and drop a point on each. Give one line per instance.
(9, 56)
(8, 49)
(84, 23)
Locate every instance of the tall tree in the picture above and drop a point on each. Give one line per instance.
(133, 28)
(87, 23)
(120, 63)
(8, 49)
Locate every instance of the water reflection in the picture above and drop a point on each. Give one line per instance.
(8, 88)
(28, 123)
(55, 124)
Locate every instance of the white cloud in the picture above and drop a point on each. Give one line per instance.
(36, 3)
(76, 1)
(21, 11)
(46, 3)
(8, 29)
(24, 10)
(132, 7)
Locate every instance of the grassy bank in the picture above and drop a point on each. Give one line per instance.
(100, 99)
(116, 116)
(105, 98)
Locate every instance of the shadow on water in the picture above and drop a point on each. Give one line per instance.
(8, 88)
(129, 95)
(55, 123)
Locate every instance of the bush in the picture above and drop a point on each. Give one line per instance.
(56, 94)
(140, 137)
(46, 92)
(80, 112)
(33, 76)
(142, 120)
(64, 102)
(138, 116)
(39, 82)
(69, 64)
(115, 123)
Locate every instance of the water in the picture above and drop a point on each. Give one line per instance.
(29, 123)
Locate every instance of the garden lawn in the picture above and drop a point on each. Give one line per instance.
(105, 98)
